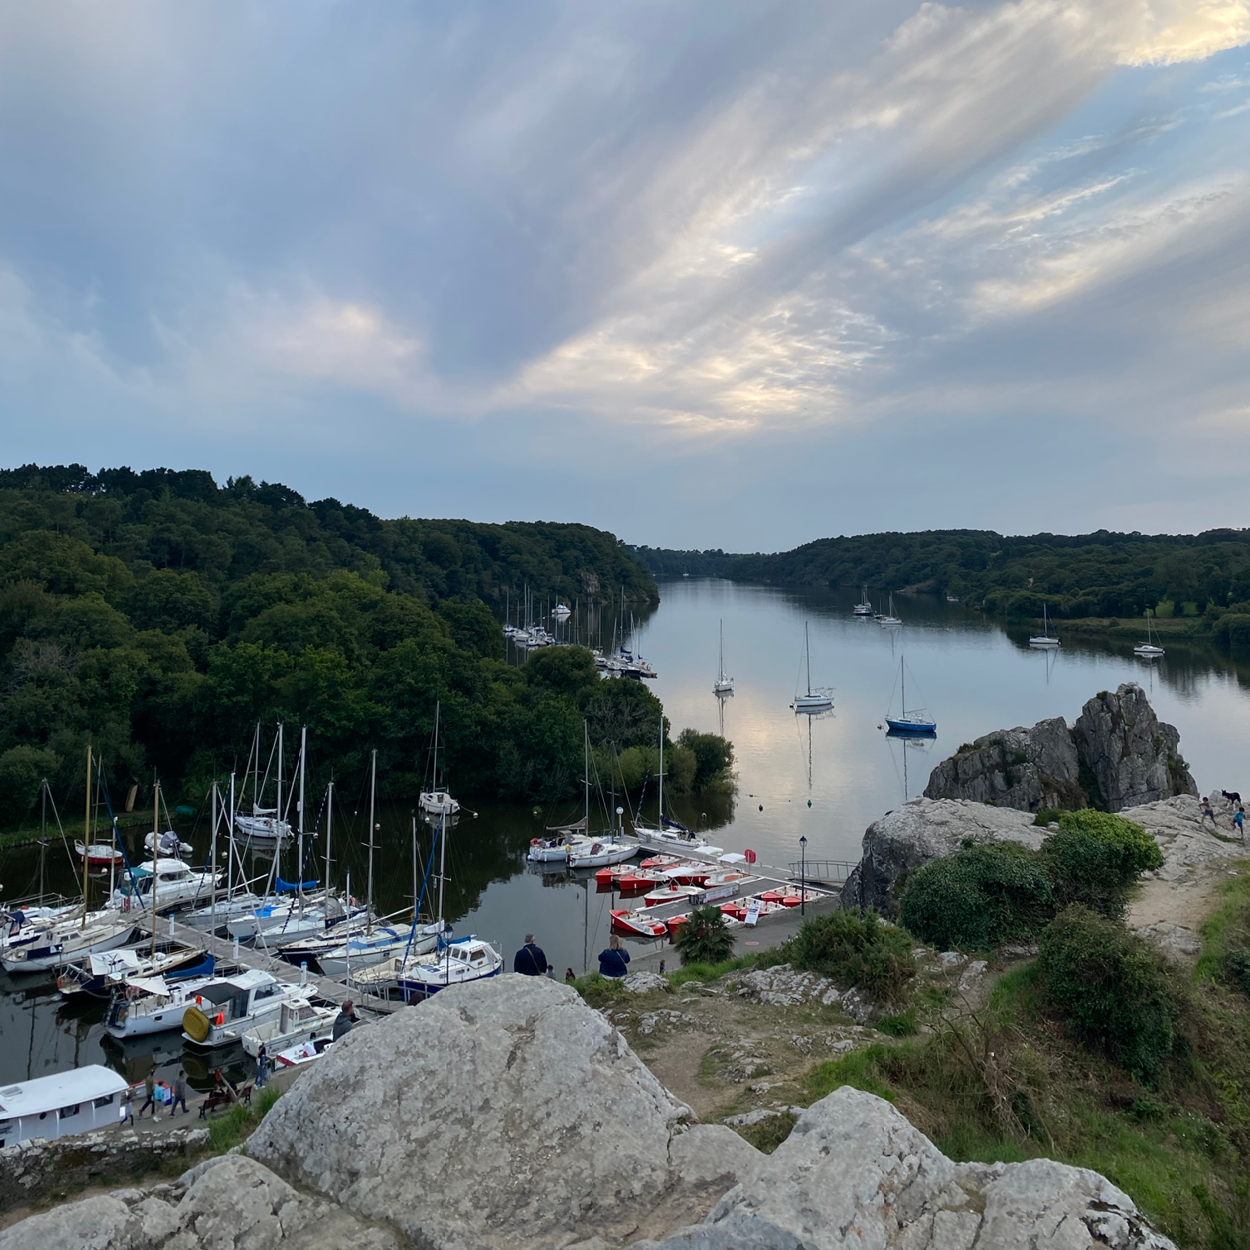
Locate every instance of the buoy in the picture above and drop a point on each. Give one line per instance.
(195, 1024)
(809, 802)
(761, 807)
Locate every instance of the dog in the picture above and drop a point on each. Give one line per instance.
(1231, 796)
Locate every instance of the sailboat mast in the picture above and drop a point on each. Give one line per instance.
(807, 651)
(256, 774)
(586, 772)
(230, 851)
(212, 904)
(86, 839)
(902, 676)
(659, 822)
(299, 815)
(280, 811)
(373, 787)
(442, 866)
(329, 827)
(156, 850)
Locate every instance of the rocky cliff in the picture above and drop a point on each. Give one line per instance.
(1118, 754)
(508, 1113)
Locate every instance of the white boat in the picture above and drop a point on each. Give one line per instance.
(171, 843)
(174, 884)
(889, 620)
(224, 910)
(914, 722)
(284, 919)
(600, 854)
(817, 699)
(230, 1006)
(435, 802)
(302, 1054)
(1149, 649)
(263, 825)
(366, 947)
(863, 607)
(147, 1005)
(553, 849)
(1045, 638)
(460, 961)
(59, 1105)
(298, 1023)
(63, 945)
(723, 685)
(100, 855)
(562, 611)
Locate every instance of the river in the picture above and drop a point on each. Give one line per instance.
(824, 778)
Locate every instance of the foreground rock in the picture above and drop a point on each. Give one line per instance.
(854, 1172)
(923, 830)
(506, 1113)
(1117, 754)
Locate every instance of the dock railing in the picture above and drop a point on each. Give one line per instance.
(831, 872)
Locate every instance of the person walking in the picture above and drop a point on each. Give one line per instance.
(128, 1106)
(614, 962)
(262, 1066)
(1207, 813)
(180, 1094)
(530, 960)
(1239, 821)
(149, 1085)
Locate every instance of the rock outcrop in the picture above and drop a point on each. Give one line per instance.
(505, 1114)
(1118, 754)
(925, 829)
(854, 1172)
(508, 1113)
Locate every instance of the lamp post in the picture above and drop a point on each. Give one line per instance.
(803, 875)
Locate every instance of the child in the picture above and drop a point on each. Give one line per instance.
(128, 1106)
(1239, 817)
(1207, 813)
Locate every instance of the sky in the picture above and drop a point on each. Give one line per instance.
(706, 274)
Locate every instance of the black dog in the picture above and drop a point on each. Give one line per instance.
(1231, 795)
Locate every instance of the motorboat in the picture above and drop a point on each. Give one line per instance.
(229, 1006)
(562, 611)
(338, 956)
(638, 923)
(459, 962)
(816, 699)
(174, 883)
(219, 913)
(171, 844)
(65, 1103)
(673, 894)
(100, 855)
(304, 1053)
(1045, 638)
(298, 1023)
(142, 1006)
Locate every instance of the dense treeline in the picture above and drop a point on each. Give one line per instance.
(1097, 575)
(162, 616)
(661, 562)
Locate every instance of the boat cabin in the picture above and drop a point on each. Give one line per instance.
(237, 997)
(56, 1106)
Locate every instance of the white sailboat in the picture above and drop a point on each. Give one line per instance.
(863, 607)
(1149, 649)
(817, 699)
(724, 685)
(889, 619)
(435, 802)
(1045, 638)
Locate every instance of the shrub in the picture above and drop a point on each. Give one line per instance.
(979, 897)
(705, 938)
(852, 951)
(1139, 850)
(1095, 857)
(1113, 990)
(1237, 968)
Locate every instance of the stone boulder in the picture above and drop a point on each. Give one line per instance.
(1131, 753)
(1026, 769)
(923, 830)
(503, 1113)
(1117, 754)
(854, 1172)
(1187, 844)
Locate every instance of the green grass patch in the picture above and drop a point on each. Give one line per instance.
(710, 972)
(599, 991)
(769, 1133)
(905, 1024)
(228, 1128)
(1227, 930)
(860, 1069)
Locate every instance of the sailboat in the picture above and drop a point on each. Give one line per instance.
(664, 829)
(913, 722)
(264, 824)
(1046, 638)
(1149, 649)
(724, 685)
(863, 607)
(435, 802)
(819, 699)
(889, 619)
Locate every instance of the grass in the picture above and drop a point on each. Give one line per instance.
(710, 972)
(227, 1129)
(599, 991)
(769, 1133)
(1228, 927)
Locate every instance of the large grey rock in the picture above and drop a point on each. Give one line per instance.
(923, 830)
(1022, 768)
(1134, 756)
(855, 1173)
(1118, 753)
(505, 1113)
(236, 1202)
(1187, 844)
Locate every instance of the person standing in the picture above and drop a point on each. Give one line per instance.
(569, 976)
(128, 1106)
(180, 1094)
(262, 1066)
(530, 960)
(149, 1085)
(345, 1022)
(614, 962)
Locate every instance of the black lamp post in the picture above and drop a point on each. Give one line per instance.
(803, 876)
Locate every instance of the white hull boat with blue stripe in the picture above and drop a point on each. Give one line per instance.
(458, 963)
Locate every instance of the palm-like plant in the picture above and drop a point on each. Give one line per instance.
(705, 938)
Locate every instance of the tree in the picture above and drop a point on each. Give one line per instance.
(705, 938)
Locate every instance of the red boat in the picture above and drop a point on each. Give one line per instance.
(689, 874)
(673, 894)
(675, 924)
(660, 861)
(100, 854)
(638, 923)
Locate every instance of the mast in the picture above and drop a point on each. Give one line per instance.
(373, 784)
(230, 841)
(902, 676)
(659, 824)
(256, 774)
(299, 817)
(212, 904)
(278, 818)
(807, 651)
(43, 833)
(329, 824)
(442, 866)
(156, 850)
(438, 706)
(86, 839)
(586, 773)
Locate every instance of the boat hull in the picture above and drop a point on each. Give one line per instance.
(918, 729)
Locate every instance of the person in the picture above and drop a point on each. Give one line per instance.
(661, 967)
(1207, 813)
(128, 1106)
(180, 1094)
(262, 1066)
(149, 1086)
(614, 961)
(530, 960)
(1239, 819)
(570, 976)
(345, 1022)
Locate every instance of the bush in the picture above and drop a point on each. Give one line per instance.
(1139, 851)
(705, 938)
(1095, 857)
(22, 768)
(1113, 990)
(865, 953)
(979, 897)
(1237, 968)
(714, 756)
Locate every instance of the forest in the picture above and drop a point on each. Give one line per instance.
(1106, 575)
(161, 616)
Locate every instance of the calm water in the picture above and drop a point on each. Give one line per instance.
(825, 778)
